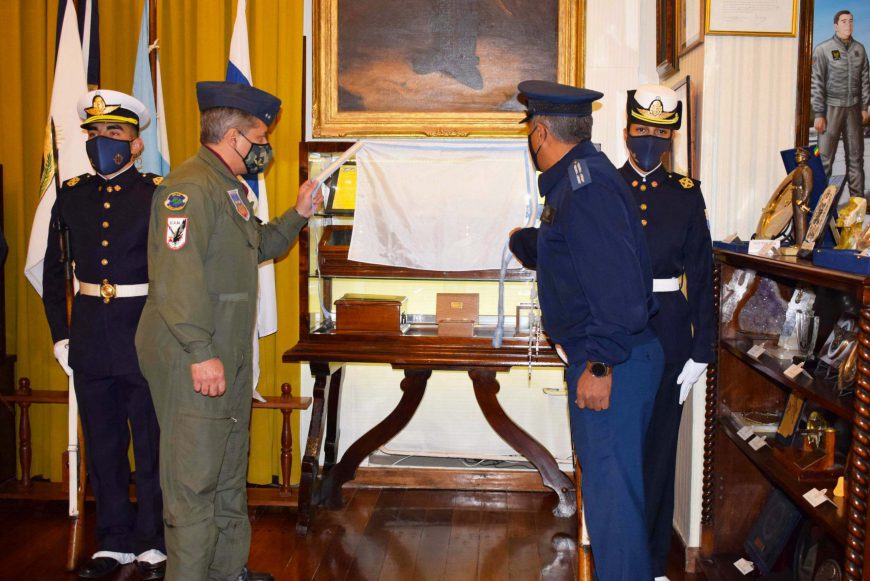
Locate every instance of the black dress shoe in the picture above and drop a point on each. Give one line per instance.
(98, 568)
(247, 575)
(149, 571)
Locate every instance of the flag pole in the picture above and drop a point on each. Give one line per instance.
(152, 38)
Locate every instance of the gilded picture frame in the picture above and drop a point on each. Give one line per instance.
(770, 18)
(667, 53)
(382, 67)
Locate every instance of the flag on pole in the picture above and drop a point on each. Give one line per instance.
(155, 157)
(64, 147)
(63, 157)
(89, 29)
(239, 71)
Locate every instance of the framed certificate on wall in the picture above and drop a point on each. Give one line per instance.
(752, 17)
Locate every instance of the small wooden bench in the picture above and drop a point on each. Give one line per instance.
(25, 396)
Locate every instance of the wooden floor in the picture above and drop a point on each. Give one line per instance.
(378, 535)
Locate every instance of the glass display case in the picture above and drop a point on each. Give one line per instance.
(417, 348)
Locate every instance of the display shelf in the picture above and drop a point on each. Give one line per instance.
(793, 268)
(333, 261)
(737, 480)
(832, 517)
(811, 388)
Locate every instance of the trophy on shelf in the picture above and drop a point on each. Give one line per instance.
(850, 221)
(838, 356)
(787, 210)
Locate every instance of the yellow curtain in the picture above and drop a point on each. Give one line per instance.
(194, 38)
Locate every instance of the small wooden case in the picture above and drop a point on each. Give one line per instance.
(457, 313)
(371, 314)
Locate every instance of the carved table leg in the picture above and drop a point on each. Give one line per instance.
(332, 421)
(485, 389)
(308, 498)
(413, 387)
(286, 443)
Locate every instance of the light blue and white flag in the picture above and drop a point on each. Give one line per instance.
(155, 157)
(239, 71)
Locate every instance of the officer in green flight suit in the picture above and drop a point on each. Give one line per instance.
(195, 335)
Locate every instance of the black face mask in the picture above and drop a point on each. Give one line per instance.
(108, 155)
(647, 150)
(532, 152)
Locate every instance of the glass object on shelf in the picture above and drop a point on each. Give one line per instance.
(806, 332)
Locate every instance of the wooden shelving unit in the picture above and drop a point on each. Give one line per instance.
(737, 478)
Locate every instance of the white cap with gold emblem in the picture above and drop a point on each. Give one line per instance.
(105, 106)
(654, 105)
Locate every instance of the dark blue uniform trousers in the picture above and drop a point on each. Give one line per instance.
(660, 462)
(610, 446)
(106, 405)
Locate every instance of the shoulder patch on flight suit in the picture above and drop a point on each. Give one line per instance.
(175, 201)
(578, 173)
(236, 199)
(176, 232)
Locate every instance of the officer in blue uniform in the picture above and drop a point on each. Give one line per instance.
(673, 216)
(105, 218)
(595, 288)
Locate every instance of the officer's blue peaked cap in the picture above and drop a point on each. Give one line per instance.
(251, 100)
(555, 99)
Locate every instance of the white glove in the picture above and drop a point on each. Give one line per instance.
(61, 353)
(688, 376)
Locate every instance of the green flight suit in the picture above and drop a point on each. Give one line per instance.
(204, 245)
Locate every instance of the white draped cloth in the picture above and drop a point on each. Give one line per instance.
(443, 205)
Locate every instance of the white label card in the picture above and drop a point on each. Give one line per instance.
(816, 497)
(757, 443)
(745, 433)
(744, 566)
(756, 351)
(794, 370)
(762, 247)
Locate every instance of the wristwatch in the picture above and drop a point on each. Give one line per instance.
(599, 369)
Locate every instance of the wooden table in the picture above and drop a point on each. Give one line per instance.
(418, 353)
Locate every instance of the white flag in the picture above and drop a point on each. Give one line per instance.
(63, 135)
(239, 71)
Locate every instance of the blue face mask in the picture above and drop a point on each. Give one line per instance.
(647, 150)
(108, 155)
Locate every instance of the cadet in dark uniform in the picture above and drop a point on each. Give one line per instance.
(673, 216)
(197, 329)
(595, 288)
(106, 216)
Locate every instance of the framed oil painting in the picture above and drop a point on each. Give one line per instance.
(443, 68)
(832, 78)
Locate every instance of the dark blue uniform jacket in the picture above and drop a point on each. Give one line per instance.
(594, 275)
(673, 215)
(108, 221)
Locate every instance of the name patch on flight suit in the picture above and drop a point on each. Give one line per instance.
(176, 232)
(240, 206)
(578, 173)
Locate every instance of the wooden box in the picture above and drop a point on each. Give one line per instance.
(457, 313)
(374, 314)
